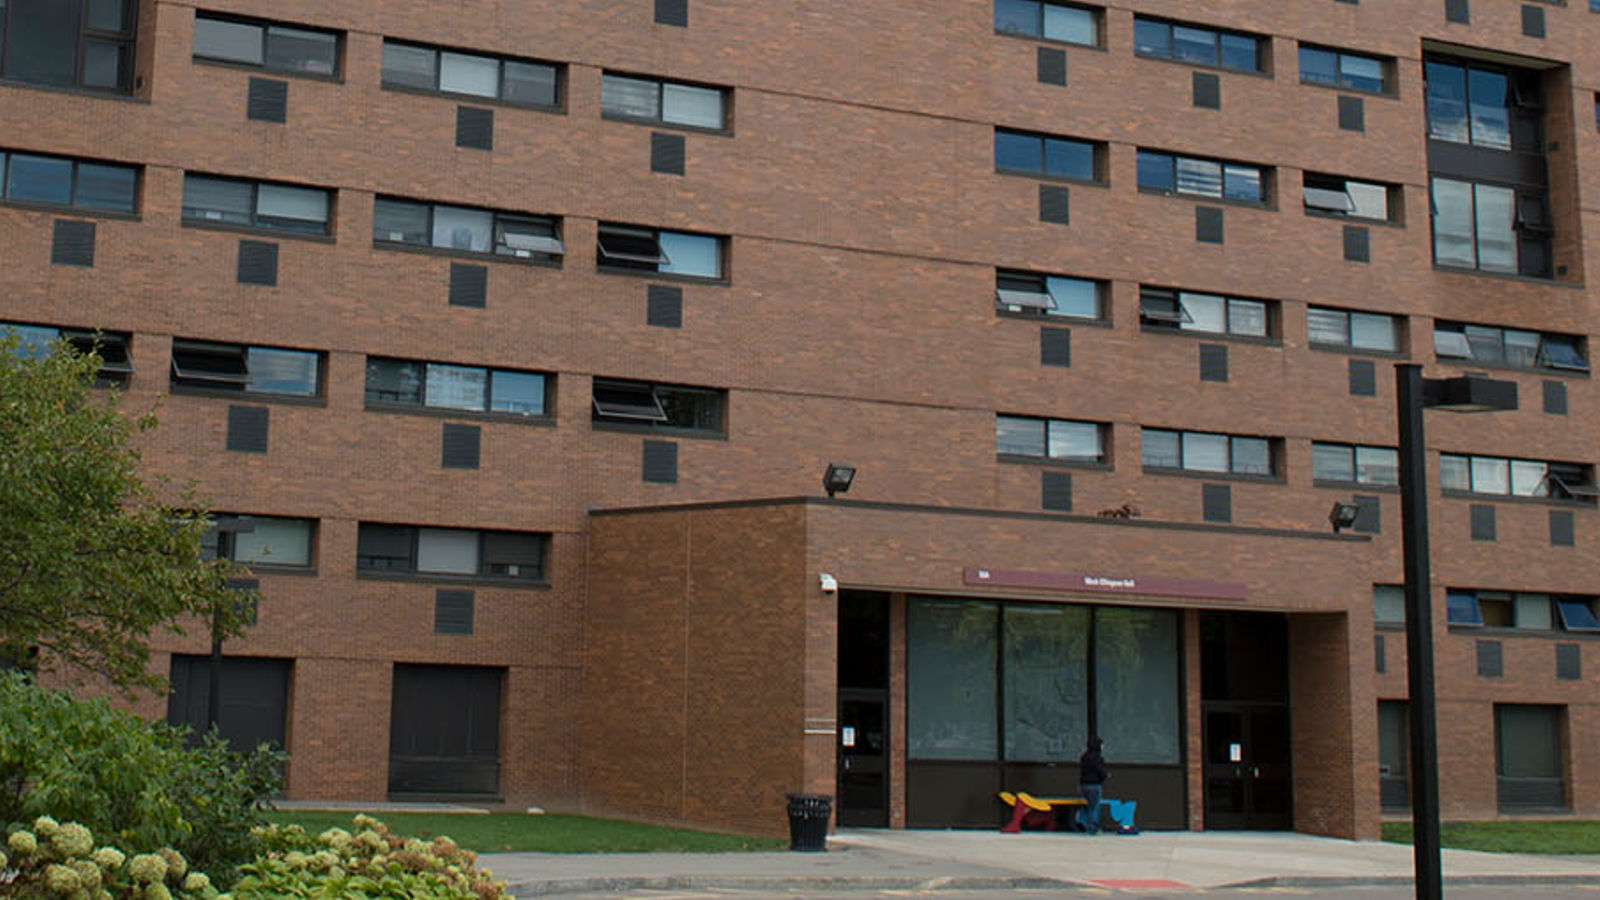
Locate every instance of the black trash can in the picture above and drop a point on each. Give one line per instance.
(808, 822)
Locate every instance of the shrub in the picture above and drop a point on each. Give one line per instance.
(59, 859)
(133, 782)
(369, 862)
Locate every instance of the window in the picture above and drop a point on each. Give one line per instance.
(1051, 295)
(266, 45)
(1196, 177)
(466, 230)
(35, 341)
(1199, 451)
(446, 552)
(1355, 330)
(1166, 309)
(1482, 105)
(260, 540)
(1389, 604)
(1053, 157)
(517, 81)
(1198, 45)
(404, 383)
(1516, 477)
(1528, 757)
(1355, 464)
(658, 406)
(1509, 347)
(1051, 21)
(1341, 69)
(255, 370)
(663, 102)
(68, 43)
(1335, 195)
(1490, 227)
(58, 181)
(255, 204)
(1521, 610)
(1056, 439)
(657, 250)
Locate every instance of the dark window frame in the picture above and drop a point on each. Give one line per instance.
(1355, 467)
(1520, 98)
(1102, 438)
(235, 383)
(1274, 455)
(1018, 281)
(116, 366)
(659, 120)
(1530, 226)
(559, 73)
(1397, 323)
(257, 222)
(499, 220)
(413, 535)
(77, 162)
(1097, 16)
(659, 420)
(489, 412)
(1262, 49)
(125, 40)
(1264, 178)
(339, 42)
(1171, 321)
(1386, 64)
(225, 546)
(1329, 184)
(1574, 480)
(618, 260)
(1097, 154)
(1577, 344)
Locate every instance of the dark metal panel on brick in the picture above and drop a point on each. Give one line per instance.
(1369, 514)
(1380, 664)
(1569, 662)
(1561, 528)
(1052, 66)
(459, 446)
(72, 243)
(1352, 114)
(1055, 346)
(258, 263)
(267, 100)
(469, 285)
(1056, 491)
(1207, 90)
(474, 128)
(1555, 398)
(1213, 362)
(1357, 244)
(663, 306)
(1533, 21)
(1216, 502)
(1053, 204)
(247, 428)
(660, 462)
(1208, 224)
(452, 611)
(1457, 11)
(1482, 523)
(1363, 378)
(1490, 663)
(667, 153)
(672, 12)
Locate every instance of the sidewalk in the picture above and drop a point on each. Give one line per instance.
(986, 860)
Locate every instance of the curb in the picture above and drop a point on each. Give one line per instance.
(789, 882)
(1337, 881)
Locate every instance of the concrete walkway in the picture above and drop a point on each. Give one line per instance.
(976, 860)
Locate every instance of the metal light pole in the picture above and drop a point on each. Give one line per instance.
(1413, 393)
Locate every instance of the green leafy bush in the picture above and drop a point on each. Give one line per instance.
(133, 782)
(55, 859)
(369, 863)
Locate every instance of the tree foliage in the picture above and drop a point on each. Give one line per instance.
(92, 562)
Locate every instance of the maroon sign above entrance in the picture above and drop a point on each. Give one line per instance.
(1105, 584)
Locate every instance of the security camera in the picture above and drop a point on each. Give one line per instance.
(830, 584)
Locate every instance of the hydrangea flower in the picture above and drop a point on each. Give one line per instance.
(177, 867)
(196, 882)
(147, 868)
(23, 843)
(109, 858)
(72, 839)
(44, 826)
(61, 879)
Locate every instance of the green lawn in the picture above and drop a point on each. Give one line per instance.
(1509, 837)
(503, 832)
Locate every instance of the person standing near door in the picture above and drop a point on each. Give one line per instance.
(1091, 781)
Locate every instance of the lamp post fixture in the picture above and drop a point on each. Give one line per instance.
(1413, 394)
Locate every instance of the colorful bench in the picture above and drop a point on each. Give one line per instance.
(1034, 812)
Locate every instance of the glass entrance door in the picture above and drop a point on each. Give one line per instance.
(1247, 766)
(863, 759)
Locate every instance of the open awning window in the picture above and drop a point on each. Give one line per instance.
(633, 402)
(206, 363)
(112, 348)
(631, 245)
(527, 237)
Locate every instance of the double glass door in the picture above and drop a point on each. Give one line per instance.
(1247, 766)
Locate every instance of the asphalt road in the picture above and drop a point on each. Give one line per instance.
(1490, 892)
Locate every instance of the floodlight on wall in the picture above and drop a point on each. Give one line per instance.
(1343, 515)
(828, 583)
(837, 479)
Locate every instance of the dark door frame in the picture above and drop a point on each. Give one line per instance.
(853, 765)
(1251, 771)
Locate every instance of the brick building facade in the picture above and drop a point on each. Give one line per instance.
(512, 338)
